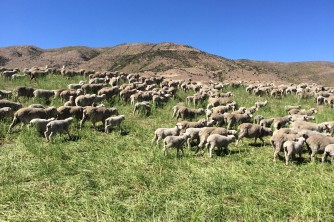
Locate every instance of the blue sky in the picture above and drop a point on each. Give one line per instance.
(275, 30)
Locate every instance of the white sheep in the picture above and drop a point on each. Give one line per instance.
(219, 141)
(193, 134)
(162, 133)
(329, 151)
(58, 126)
(113, 121)
(40, 124)
(258, 105)
(176, 142)
(293, 147)
(144, 106)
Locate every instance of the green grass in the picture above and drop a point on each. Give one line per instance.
(121, 176)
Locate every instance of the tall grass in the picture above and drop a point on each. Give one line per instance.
(121, 176)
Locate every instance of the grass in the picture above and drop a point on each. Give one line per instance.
(121, 176)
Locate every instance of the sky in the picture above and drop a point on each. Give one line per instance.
(267, 30)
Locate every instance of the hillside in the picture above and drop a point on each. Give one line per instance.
(167, 59)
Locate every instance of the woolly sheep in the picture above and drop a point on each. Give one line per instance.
(96, 114)
(176, 108)
(58, 126)
(219, 141)
(297, 117)
(293, 147)
(40, 124)
(5, 94)
(13, 105)
(317, 143)
(43, 94)
(257, 119)
(161, 133)
(233, 119)
(300, 124)
(113, 121)
(176, 142)
(193, 134)
(267, 122)
(23, 91)
(144, 106)
(280, 122)
(24, 115)
(250, 130)
(258, 105)
(89, 99)
(70, 102)
(183, 125)
(70, 111)
(6, 112)
(289, 107)
(329, 151)
(187, 113)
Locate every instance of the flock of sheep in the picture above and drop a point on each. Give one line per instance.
(84, 101)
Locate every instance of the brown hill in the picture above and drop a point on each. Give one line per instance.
(167, 59)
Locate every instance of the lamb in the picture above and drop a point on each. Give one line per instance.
(317, 143)
(267, 122)
(162, 133)
(96, 114)
(207, 131)
(6, 112)
(193, 134)
(88, 100)
(258, 105)
(44, 94)
(40, 124)
(219, 141)
(24, 115)
(187, 113)
(234, 118)
(175, 141)
(329, 151)
(58, 126)
(250, 130)
(280, 122)
(13, 105)
(113, 121)
(142, 106)
(293, 147)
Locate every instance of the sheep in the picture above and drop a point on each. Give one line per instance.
(280, 122)
(88, 100)
(58, 126)
(44, 94)
(193, 134)
(250, 130)
(142, 106)
(23, 91)
(24, 115)
(237, 118)
(219, 141)
(113, 121)
(91, 88)
(267, 122)
(13, 105)
(40, 124)
(279, 137)
(70, 111)
(302, 112)
(205, 132)
(76, 86)
(187, 113)
(175, 141)
(162, 133)
(290, 107)
(218, 118)
(70, 102)
(65, 94)
(6, 112)
(5, 94)
(176, 108)
(110, 92)
(183, 125)
(298, 125)
(329, 151)
(36, 105)
(316, 143)
(258, 105)
(293, 147)
(212, 101)
(96, 114)
(297, 117)
(257, 119)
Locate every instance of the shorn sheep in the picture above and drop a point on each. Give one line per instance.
(58, 126)
(113, 121)
(161, 133)
(250, 130)
(329, 151)
(291, 148)
(176, 142)
(219, 141)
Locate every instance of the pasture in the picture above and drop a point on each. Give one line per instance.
(121, 176)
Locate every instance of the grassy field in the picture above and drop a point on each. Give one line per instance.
(121, 176)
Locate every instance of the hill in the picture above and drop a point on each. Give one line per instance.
(167, 59)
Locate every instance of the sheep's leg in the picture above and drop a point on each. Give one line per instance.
(154, 139)
(262, 140)
(165, 150)
(332, 159)
(275, 155)
(15, 121)
(324, 157)
(188, 142)
(68, 133)
(210, 150)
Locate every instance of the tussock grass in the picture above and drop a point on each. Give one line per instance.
(121, 176)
